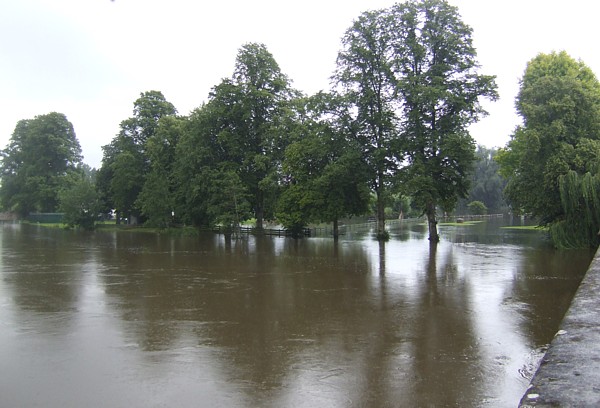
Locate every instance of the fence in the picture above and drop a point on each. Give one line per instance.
(46, 218)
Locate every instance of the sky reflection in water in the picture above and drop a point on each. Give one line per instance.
(134, 319)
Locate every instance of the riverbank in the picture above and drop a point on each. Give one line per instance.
(569, 374)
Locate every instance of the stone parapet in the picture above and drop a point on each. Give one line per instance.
(569, 374)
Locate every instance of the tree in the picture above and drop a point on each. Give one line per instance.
(411, 72)
(436, 69)
(559, 101)
(156, 201)
(227, 203)
(477, 208)
(79, 201)
(208, 188)
(257, 138)
(243, 129)
(125, 163)
(326, 177)
(487, 185)
(194, 153)
(41, 154)
(580, 199)
(364, 72)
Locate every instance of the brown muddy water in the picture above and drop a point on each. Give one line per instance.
(141, 320)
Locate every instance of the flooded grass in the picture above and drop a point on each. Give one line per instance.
(525, 227)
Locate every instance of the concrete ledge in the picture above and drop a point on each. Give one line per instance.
(569, 374)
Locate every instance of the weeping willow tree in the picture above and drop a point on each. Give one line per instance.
(580, 199)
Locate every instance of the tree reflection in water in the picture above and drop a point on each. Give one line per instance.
(262, 321)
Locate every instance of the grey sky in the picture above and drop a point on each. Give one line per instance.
(90, 59)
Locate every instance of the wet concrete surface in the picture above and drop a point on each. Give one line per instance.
(569, 374)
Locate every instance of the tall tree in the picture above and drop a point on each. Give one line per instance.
(580, 198)
(42, 152)
(208, 187)
(411, 72)
(437, 72)
(265, 93)
(157, 200)
(364, 73)
(245, 125)
(559, 101)
(125, 163)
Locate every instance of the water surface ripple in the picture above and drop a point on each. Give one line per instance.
(141, 320)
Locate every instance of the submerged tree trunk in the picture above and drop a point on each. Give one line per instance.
(381, 232)
(336, 231)
(432, 223)
(260, 212)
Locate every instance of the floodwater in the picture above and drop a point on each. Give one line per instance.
(141, 320)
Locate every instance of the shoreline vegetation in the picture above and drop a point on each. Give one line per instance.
(110, 226)
(389, 137)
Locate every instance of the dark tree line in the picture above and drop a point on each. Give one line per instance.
(394, 124)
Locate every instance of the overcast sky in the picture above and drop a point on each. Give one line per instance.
(91, 59)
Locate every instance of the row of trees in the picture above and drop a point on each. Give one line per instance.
(394, 124)
(391, 129)
(405, 89)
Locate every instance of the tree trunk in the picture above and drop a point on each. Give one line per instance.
(260, 212)
(381, 232)
(432, 223)
(336, 232)
(382, 257)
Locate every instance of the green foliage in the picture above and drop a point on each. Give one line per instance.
(294, 209)
(365, 75)
(240, 134)
(411, 73)
(547, 158)
(477, 208)
(36, 164)
(126, 162)
(156, 200)
(487, 185)
(440, 86)
(580, 199)
(226, 202)
(127, 180)
(401, 207)
(255, 134)
(326, 176)
(79, 202)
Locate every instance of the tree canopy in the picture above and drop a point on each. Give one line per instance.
(548, 158)
(41, 154)
(79, 200)
(324, 174)
(487, 185)
(412, 74)
(125, 163)
(239, 136)
(393, 126)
